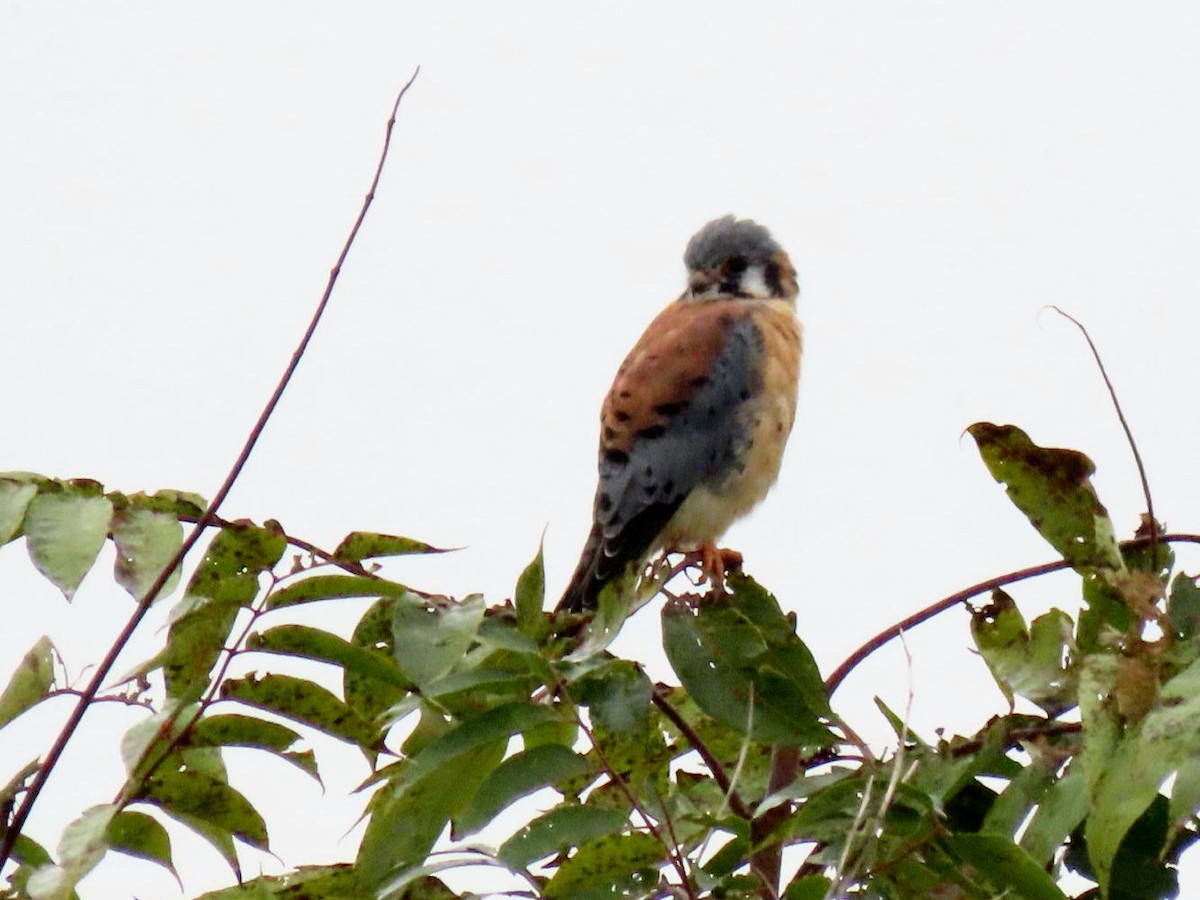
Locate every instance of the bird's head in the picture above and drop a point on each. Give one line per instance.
(732, 257)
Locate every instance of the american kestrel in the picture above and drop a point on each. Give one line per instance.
(693, 429)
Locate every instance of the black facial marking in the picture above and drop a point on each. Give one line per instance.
(735, 265)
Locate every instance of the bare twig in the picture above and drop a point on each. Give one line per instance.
(839, 675)
(88, 695)
(894, 631)
(1137, 457)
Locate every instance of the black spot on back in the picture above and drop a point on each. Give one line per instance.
(649, 434)
(616, 457)
(669, 409)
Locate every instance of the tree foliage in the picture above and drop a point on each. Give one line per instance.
(644, 790)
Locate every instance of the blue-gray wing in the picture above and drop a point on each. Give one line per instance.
(673, 420)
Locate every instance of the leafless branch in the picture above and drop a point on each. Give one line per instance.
(88, 694)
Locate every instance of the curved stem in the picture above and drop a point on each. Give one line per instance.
(839, 674)
(88, 695)
(1152, 523)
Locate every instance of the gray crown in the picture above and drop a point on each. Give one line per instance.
(726, 237)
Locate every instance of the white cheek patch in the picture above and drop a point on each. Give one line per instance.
(754, 283)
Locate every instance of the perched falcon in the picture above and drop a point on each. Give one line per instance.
(693, 429)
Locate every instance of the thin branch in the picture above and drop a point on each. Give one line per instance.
(854, 659)
(1014, 737)
(93, 687)
(720, 776)
(674, 852)
(894, 631)
(138, 778)
(1137, 457)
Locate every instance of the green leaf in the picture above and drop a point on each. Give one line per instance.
(808, 887)
(1166, 739)
(1060, 811)
(741, 661)
(408, 815)
(30, 683)
(617, 695)
(143, 836)
(432, 636)
(1053, 489)
(561, 828)
(81, 847)
(306, 702)
(146, 542)
(333, 882)
(333, 587)
(369, 697)
(496, 724)
(315, 644)
(259, 734)
(1183, 606)
(1106, 620)
(360, 545)
(1006, 865)
(14, 500)
(519, 776)
(205, 804)
(147, 741)
(1033, 663)
(225, 581)
(183, 505)
(530, 596)
(64, 533)
(1022, 794)
(615, 863)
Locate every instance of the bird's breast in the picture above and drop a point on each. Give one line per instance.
(767, 418)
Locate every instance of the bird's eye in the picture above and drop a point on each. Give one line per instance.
(734, 266)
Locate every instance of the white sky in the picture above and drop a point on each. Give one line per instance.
(176, 184)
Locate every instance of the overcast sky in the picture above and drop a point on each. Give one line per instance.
(177, 182)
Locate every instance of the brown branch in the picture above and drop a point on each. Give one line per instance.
(894, 631)
(1137, 457)
(1014, 737)
(766, 861)
(88, 695)
(720, 776)
(839, 675)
